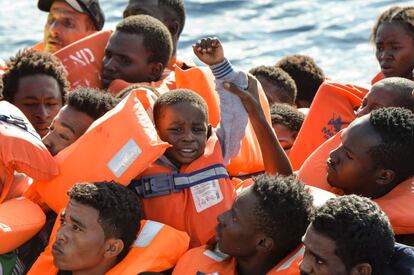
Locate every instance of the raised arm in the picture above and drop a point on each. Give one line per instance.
(274, 157)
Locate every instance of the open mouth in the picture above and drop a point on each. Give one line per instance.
(330, 167)
(56, 249)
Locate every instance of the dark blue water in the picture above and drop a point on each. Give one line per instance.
(334, 33)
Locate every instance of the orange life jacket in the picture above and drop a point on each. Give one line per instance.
(378, 77)
(115, 147)
(40, 47)
(397, 204)
(202, 260)
(192, 199)
(332, 110)
(21, 150)
(20, 220)
(83, 59)
(157, 248)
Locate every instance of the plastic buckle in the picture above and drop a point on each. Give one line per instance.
(156, 185)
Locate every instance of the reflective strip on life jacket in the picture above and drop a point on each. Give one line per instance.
(162, 184)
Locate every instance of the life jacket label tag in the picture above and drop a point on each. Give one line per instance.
(148, 233)
(206, 195)
(5, 228)
(124, 158)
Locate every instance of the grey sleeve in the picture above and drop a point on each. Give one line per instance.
(231, 128)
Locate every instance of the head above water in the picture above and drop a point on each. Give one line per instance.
(393, 36)
(69, 21)
(372, 158)
(278, 86)
(170, 12)
(97, 227)
(267, 220)
(349, 235)
(308, 76)
(388, 92)
(83, 107)
(138, 51)
(181, 119)
(36, 83)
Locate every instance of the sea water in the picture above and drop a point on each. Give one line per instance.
(334, 33)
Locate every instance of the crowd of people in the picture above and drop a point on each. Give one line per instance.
(118, 157)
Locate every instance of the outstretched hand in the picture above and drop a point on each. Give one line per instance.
(209, 50)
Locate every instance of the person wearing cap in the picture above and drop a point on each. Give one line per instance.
(69, 21)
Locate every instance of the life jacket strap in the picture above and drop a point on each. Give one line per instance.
(163, 184)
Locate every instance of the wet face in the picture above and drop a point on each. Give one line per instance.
(350, 166)
(80, 241)
(64, 26)
(378, 97)
(271, 91)
(68, 125)
(127, 59)
(236, 233)
(285, 136)
(185, 127)
(395, 50)
(320, 257)
(39, 98)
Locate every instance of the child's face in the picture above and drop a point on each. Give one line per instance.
(350, 166)
(126, 58)
(185, 127)
(285, 136)
(395, 50)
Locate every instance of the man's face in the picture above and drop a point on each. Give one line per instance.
(236, 230)
(320, 257)
(64, 26)
(395, 50)
(39, 98)
(378, 97)
(68, 125)
(184, 126)
(272, 92)
(80, 241)
(350, 166)
(127, 59)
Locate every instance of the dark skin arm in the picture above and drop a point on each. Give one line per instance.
(274, 157)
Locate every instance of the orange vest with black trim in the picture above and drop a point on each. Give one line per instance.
(202, 260)
(207, 192)
(134, 144)
(332, 110)
(157, 248)
(397, 204)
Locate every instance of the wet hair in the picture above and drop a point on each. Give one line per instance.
(401, 89)
(287, 115)
(119, 209)
(280, 79)
(178, 96)
(308, 76)
(284, 209)
(28, 63)
(95, 103)
(395, 126)
(399, 15)
(360, 229)
(177, 6)
(156, 37)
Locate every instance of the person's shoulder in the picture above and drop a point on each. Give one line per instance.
(402, 261)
